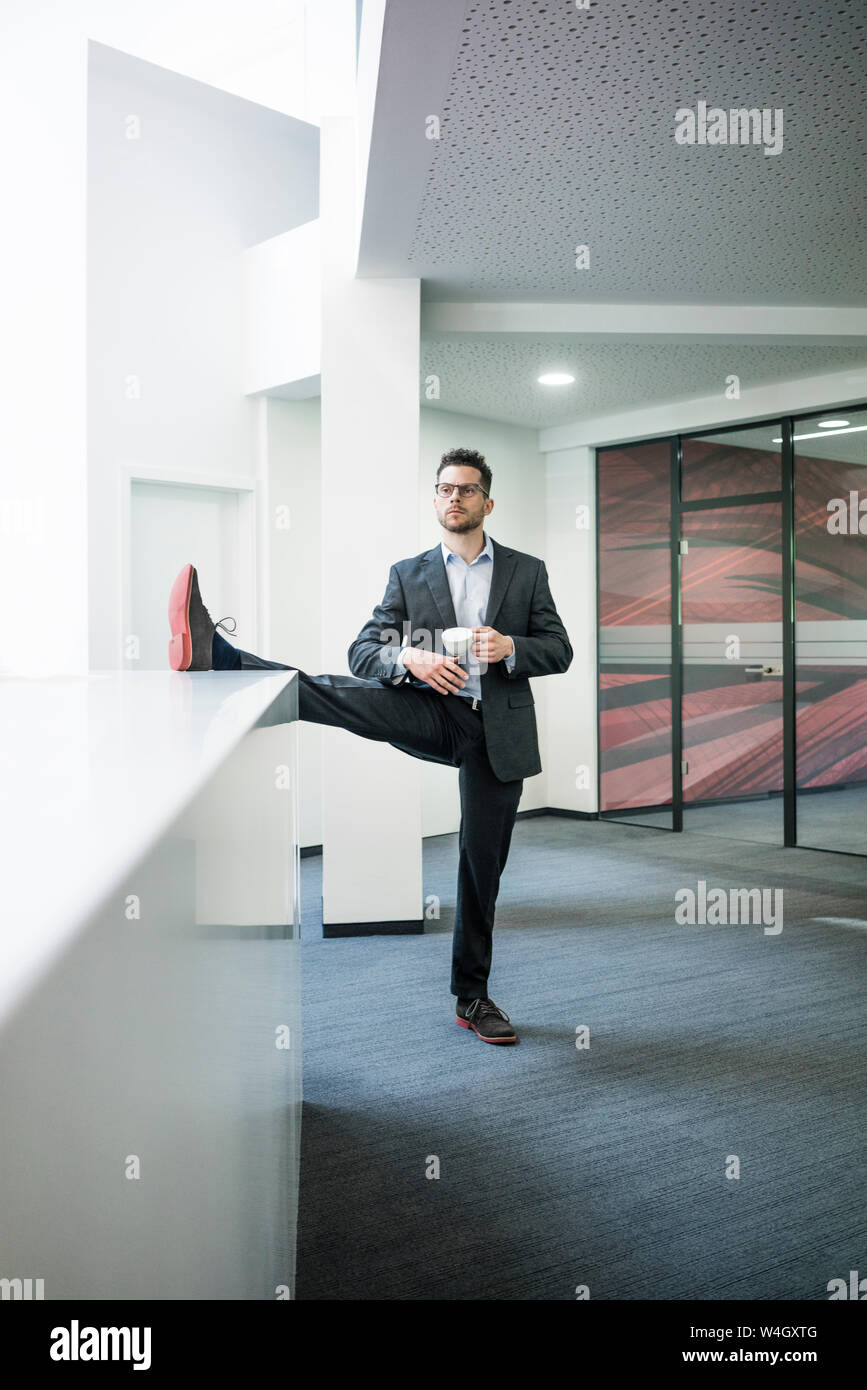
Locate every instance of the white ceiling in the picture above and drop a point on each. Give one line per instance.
(557, 129)
(494, 375)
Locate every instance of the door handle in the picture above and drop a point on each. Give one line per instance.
(769, 669)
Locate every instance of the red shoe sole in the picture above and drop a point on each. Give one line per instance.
(181, 643)
(462, 1023)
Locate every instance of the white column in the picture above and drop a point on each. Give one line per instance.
(371, 823)
(570, 754)
(43, 456)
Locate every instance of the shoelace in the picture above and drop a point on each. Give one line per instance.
(486, 1006)
(222, 623)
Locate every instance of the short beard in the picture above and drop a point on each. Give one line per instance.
(466, 525)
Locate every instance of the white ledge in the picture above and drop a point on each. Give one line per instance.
(94, 769)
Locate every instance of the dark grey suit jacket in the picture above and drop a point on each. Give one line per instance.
(417, 607)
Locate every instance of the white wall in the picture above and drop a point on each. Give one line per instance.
(170, 213)
(282, 313)
(43, 461)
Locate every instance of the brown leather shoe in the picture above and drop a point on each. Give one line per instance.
(488, 1021)
(192, 625)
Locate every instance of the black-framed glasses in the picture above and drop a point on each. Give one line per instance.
(465, 489)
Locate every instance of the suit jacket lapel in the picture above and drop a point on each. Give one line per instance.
(434, 570)
(505, 561)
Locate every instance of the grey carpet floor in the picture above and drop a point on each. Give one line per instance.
(605, 1166)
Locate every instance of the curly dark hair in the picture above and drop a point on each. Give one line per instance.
(467, 458)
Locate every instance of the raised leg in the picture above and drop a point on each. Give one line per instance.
(413, 720)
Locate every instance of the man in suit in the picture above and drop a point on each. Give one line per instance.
(477, 715)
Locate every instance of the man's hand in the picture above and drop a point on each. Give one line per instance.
(490, 645)
(440, 672)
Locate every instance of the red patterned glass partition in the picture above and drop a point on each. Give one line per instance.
(731, 585)
(731, 519)
(831, 632)
(731, 464)
(635, 633)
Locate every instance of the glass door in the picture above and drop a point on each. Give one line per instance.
(732, 626)
(732, 747)
(731, 587)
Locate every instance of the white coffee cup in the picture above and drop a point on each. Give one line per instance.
(458, 642)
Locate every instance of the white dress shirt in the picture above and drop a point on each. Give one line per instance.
(470, 587)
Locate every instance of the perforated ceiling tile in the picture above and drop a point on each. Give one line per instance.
(558, 130)
(495, 377)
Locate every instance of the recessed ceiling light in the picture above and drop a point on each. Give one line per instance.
(832, 424)
(555, 379)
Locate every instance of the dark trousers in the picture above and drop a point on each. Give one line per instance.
(437, 728)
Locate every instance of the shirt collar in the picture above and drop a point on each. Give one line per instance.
(488, 550)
